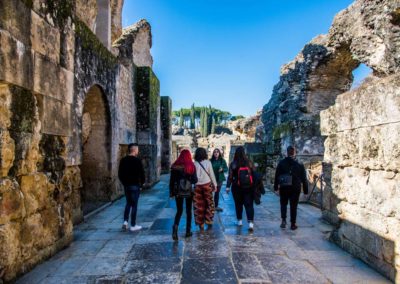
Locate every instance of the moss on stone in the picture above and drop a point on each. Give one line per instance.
(23, 108)
(59, 10)
(281, 129)
(51, 148)
(90, 41)
(147, 97)
(28, 3)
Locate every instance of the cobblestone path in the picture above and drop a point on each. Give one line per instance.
(102, 253)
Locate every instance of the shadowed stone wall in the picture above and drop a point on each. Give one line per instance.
(148, 122)
(166, 136)
(62, 93)
(347, 135)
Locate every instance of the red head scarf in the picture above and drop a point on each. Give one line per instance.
(185, 160)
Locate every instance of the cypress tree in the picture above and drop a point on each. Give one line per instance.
(192, 118)
(206, 123)
(181, 118)
(213, 125)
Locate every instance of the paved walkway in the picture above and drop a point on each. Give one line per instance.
(102, 253)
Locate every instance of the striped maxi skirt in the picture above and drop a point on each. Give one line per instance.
(203, 204)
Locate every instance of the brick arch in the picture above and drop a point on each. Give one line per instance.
(96, 150)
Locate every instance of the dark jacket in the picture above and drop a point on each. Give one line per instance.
(130, 171)
(178, 173)
(298, 173)
(217, 164)
(258, 187)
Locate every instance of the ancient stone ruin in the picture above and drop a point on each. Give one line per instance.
(351, 135)
(75, 90)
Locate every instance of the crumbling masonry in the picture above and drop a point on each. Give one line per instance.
(352, 136)
(75, 90)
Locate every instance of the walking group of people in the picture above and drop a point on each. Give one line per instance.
(198, 184)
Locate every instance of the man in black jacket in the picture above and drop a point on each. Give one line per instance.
(131, 174)
(289, 176)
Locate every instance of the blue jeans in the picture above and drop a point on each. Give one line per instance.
(132, 193)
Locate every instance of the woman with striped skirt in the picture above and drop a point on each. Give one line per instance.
(203, 193)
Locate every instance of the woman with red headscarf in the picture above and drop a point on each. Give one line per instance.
(183, 176)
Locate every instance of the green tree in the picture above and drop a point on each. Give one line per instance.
(181, 118)
(192, 117)
(213, 125)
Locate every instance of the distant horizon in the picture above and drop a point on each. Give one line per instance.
(229, 55)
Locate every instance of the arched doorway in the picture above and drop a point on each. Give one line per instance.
(96, 141)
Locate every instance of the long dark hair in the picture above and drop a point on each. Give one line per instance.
(240, 158)
(219, 156)
(200, 155)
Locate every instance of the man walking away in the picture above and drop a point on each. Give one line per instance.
(131, 174)
(289, 176)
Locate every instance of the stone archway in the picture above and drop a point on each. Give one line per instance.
(96, 152)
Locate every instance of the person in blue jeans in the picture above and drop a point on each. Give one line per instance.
(131, 174)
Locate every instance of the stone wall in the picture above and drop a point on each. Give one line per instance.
(166, 136)
(347, 135)
(148, 122)
(362, 158)
(68, 110)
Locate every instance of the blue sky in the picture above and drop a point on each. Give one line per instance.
(228, 53)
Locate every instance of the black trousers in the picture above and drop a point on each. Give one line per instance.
(292, 196)
(179, 211)
(216, 195)
(243, 197)
(132, 197)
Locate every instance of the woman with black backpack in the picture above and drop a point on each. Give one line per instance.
(183, 176)
(241, 179)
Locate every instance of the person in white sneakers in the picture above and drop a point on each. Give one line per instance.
(131, 174)
(241, 180)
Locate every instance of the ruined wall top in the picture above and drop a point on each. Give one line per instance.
(135, 44)
(366, 32)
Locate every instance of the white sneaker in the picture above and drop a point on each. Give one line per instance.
(135, 228)
(125, 226)
(239, 223)
(251, 226)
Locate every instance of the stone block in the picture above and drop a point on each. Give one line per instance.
(86, 10)
(5, 103)
(15, 17)
(71, 181)
(67, 49)
(381, 97)
(7, 153)
(56, 119)
(37, 192)
(45, 39)
(10, 250)
(16, 61)
(52, 80)
(11, 201)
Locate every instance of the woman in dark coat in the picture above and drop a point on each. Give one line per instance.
(242, 193)
(220, 168)
(183, 174)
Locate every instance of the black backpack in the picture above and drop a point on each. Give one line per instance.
(245, 178)
(184, 187)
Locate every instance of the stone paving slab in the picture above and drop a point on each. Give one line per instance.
(103, 253)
